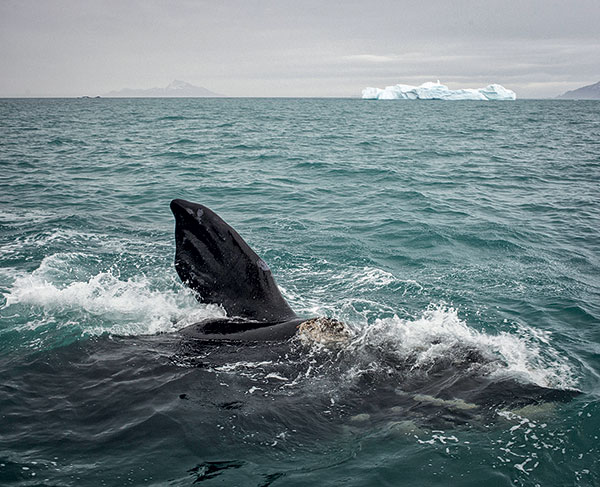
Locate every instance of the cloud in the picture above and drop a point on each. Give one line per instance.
(290, 48)
(369, 58)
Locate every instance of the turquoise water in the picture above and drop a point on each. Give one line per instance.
(437, 231)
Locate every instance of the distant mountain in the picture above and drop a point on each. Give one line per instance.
(589, 92)
(176, 89)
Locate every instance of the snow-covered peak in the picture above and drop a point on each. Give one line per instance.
(177, 85)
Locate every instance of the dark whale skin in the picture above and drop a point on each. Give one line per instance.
(212, 259)
(236, 330)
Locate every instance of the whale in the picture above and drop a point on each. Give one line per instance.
(213, 260)
(250, 381)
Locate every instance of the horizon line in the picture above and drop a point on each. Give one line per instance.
(357, 97)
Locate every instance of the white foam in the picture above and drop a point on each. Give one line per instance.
(438, 91)
(60, 292)
(440, 333)
(372, 276)
(106, 303)
(349, 287)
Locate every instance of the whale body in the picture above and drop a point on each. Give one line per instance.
(213, 260)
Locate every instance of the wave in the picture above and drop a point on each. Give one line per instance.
(440, 336)
(357, 291)
(24, 215)
(170, 118)
(183, 142)
(430, 340)
(433, 355)
(104, 302)
(180, 155)
(59, 292)
(58, 141)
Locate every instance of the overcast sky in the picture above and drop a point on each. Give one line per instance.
(538, 48)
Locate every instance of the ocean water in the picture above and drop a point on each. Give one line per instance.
(460, 242)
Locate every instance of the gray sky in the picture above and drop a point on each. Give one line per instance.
(538, 48)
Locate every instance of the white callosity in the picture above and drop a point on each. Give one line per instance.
(438, 91)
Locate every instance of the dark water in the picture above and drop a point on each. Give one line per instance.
(459, 241)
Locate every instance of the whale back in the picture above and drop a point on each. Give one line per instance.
(213, 260)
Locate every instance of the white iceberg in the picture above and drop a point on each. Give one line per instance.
(438, 91)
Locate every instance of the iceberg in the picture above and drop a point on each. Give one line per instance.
(438, 91)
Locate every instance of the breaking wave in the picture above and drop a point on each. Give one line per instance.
(439, 335)
(105, 302)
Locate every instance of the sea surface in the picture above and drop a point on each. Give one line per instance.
(460, 241)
